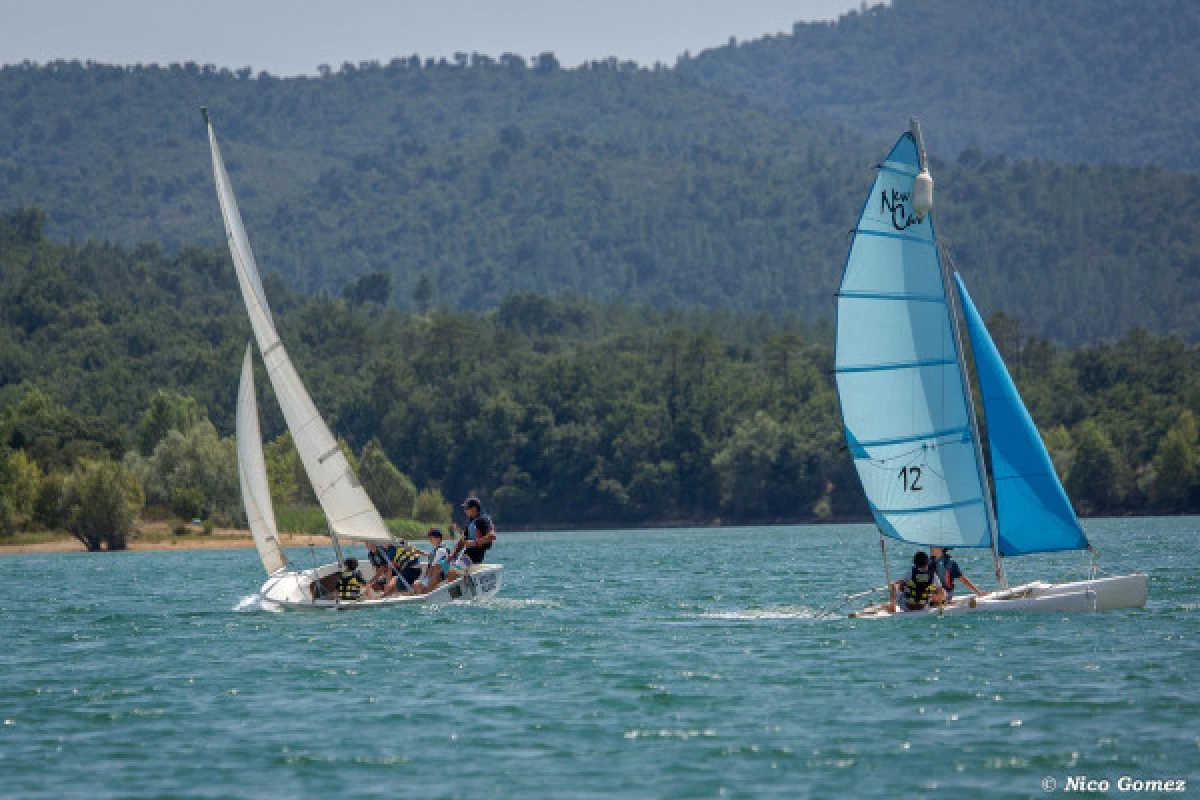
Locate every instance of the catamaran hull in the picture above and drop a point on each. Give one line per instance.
(293, 590)
(1101, 594)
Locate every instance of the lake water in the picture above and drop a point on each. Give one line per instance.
(660, 663)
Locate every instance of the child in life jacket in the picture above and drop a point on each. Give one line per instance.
(351, 585)
(438, 566)
(921, 587)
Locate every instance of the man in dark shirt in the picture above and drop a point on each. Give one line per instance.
(480, 533)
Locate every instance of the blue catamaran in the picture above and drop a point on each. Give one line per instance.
(910, 425)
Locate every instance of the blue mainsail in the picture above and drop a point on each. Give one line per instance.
(1033, 513)
(898, 376)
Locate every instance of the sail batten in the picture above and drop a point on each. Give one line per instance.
(1033, 512)
(930, 509)
(932, 437)
(890, 235)
(348, 509)
(905, 298)
(901, 365)
(898, 372)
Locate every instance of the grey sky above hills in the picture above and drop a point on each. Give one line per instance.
(293, 37)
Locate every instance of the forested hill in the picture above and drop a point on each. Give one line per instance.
(1068, 80)
(492, 176)
(558, 411)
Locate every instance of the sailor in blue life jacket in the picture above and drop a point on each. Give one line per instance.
(351, 585)
(920, 588)
(949, 573)
(479, 535)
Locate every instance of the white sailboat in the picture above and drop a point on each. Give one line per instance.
(350, 514)
(910, 426)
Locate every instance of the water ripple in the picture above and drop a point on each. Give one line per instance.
(584, 680)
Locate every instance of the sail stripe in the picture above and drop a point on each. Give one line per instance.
(919, 437)
(889, 235)
(898, 171)
(935, 362)
(929, 509)
(917, 298)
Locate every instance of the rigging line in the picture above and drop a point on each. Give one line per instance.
(934, 471)
(922, 448)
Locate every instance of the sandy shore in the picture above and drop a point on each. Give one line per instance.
(218, 540)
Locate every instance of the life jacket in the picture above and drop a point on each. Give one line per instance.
(471, 533)
(405, 555)
(349, 585)
(919, 587)
(440, 556)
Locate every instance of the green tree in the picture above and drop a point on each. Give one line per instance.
(101, 501)
(286, 475)
(55, 436)
(19, 481)
(431, 507)
(374, 287)
(168, 411)
(192, 472)
(1061, 449)
(1176, 465)
(747, 463)
(423, 293)
(1096, 479)
(48, 509)
(390, 489)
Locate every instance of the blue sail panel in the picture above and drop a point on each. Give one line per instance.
(1032, 509)
(897, 368)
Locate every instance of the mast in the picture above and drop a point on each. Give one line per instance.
(960, 354)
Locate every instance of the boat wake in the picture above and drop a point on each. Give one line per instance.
(511, 604)
(256, 602)
(755, 614)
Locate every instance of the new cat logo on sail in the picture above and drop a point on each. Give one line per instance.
(896, 204)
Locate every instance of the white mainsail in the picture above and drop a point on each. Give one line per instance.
(252, 474)
(349, 510)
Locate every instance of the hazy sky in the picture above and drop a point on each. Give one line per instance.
(291, 37)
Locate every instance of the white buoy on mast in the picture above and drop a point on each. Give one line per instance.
(922, 194)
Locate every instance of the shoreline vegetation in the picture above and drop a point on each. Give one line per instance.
(160, 535)
(156, 537)
(555, 410)
(219, 539)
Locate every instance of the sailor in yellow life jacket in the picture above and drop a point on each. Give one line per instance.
(921, 587)
(405, 567)
(350, 581)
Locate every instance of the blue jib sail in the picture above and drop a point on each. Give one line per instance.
(898, 377)
(1033, 513)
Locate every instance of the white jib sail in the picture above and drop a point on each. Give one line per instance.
(252, 474)
(349, 510)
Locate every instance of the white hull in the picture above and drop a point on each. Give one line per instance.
(1101, 594)
(294, 590)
